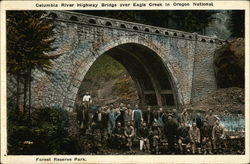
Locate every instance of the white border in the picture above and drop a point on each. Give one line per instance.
(31, 5)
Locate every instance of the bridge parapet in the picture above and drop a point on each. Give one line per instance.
(91, 20)
(169, 67)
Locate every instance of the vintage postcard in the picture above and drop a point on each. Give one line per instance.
(124, 82)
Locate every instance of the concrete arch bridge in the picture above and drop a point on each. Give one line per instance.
(169, 67)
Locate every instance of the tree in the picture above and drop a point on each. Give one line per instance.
(30, 36)
(238, 23)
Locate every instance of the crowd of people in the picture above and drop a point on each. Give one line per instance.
(128, 127)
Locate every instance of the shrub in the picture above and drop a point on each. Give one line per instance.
(46, 131)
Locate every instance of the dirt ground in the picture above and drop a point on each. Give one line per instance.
(223, 101)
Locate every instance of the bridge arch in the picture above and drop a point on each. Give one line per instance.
(154, 76)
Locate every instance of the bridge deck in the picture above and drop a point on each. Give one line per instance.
(91, 20)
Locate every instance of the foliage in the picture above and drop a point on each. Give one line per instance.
(105, 67)
(47, 131)
(125, 88)
(238, 23)
(229, 64)
(29, 40)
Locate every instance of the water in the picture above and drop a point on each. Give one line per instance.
(233, 123)
(230, 122)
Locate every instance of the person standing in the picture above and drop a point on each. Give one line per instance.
(184, 116)
(160, 118)
(211, 119)
(105, 118)
(194, 134)
(79, 115)
(129, 133)
(119, 136)
(155, 137)
(218, 135)
(206, 136)
(176, 116)
(83, 118)
(198, 120)
(149, 117)
(183, 136)
(120, 116)
(170, 130)
(87, 100)
(127, 115)
(137, 118)
(144, 138)
(111, 119)
(97, 122)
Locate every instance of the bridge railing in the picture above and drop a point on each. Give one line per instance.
(128, 26)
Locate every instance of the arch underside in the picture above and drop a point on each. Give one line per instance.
(148, 72)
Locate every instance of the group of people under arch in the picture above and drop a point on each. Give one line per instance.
(128, 127)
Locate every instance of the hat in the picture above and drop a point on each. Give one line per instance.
(170, 115)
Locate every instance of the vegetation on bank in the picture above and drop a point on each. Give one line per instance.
(105, 67)
(29, 40)
(30, 36)
(45, 133)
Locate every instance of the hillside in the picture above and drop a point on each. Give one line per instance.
(109, 82)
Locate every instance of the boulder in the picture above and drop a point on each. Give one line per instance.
(229, 64)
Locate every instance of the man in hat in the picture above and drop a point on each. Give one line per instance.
(184, 116)
(176, 116)
(137, 118)
(87, 100)
(149, 117)
(127, 115)
(194, 134)
(170, 130)
(183, 136)
(129, 133)
(119, 136)
(155, 136)
(218, 135)
(83, 118)
(160, 118)
(120, 116)
(206, 136)
(198, 120)
(144, 137)
(111, 118)
(210, 119)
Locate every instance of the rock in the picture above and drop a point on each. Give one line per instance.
(229, 64)
(223, 100)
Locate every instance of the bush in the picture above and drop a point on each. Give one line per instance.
(46, 131)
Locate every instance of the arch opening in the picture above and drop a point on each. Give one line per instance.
(73, 18)
(150, 76)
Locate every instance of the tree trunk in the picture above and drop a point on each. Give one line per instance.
(204, 25)
(24, 95)
(29, 92)
(17, 92)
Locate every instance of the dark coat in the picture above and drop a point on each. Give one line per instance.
(145, 117)
(183, 132)
(170, 128)
(144, 132)
(206, 132)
